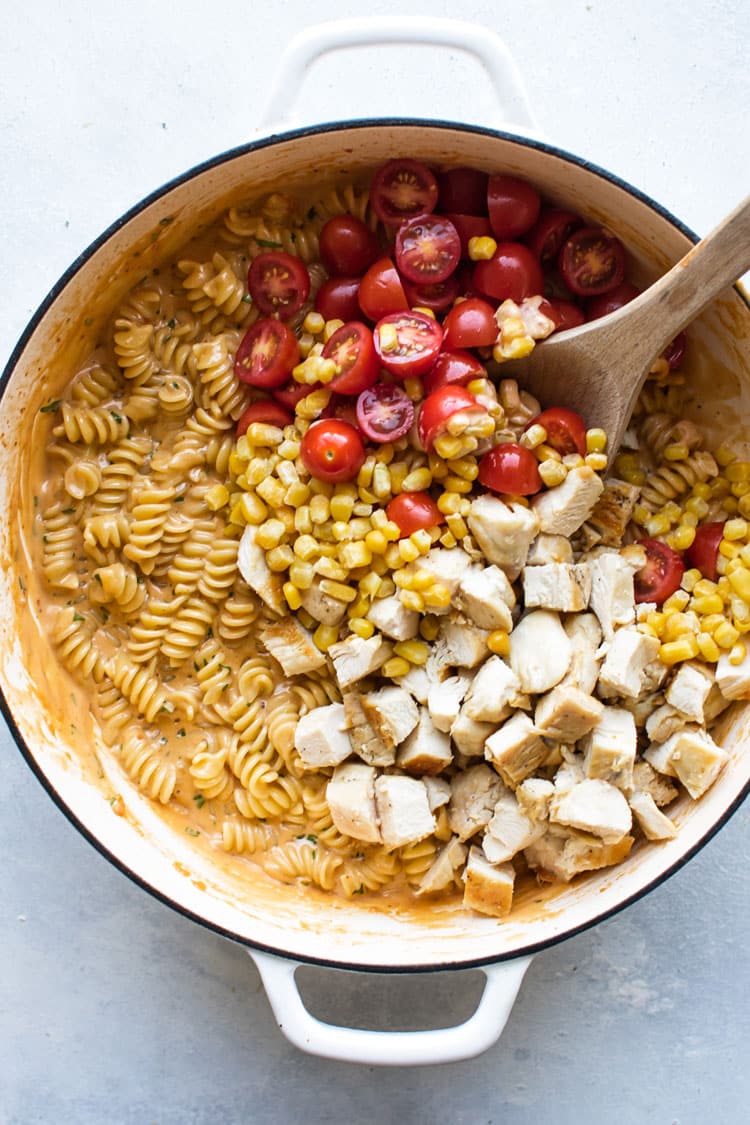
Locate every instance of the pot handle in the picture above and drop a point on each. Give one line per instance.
(482, 44)
(391, 1048)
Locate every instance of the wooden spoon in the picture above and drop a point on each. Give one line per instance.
(599, 368)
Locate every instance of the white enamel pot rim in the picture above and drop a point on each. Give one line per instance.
(439, 945)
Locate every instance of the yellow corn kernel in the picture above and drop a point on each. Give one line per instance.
(338, 590)
(457, 525)
(711, 603)
(416, 652)
(387, 586)
(448, 539)
(410, 599)
(725, 455)
(686, 648)
(392, 557)
(361, 627)
(573, 461)
(391, 531)
(627, 467)
(457, 485)
(331, 327)
(676, 627)
(417, 480)
(465, 467)
(292, 595)
(414, 389)
(516, 348)
(690, 580)
(280, 558)
(253, 509)
(735, 529)
(740, 582)
(552, 473)
(481, 248)
(658, 524)
(704, 586)
(306, 548)
(676, 601)
(408, 551)
(688, 519)
(449, 503)
(738, 471)
(737, 653)
(535, 436)
(596, 440)
(353, 555)
(437, 467)
(682, 537)
(302, 522)
(743, 506)
(325, 636)
(726, 635)
(499, 642)
(270, 534)
(301, 574)
(395, 667)
(740, 609)
(421, 540)
(656, 622)
(341, 507)
(449, 447)
(379, 519)
(708, 647)
(437, 597)
(217, 497)
(729, 550)
(403, 578)
(272, 491)
(329, 568)
(320, 509)
(425, 311)
(546, 452)
(676, 451)
(297, 494)
(596, 461)
(729, 504)
(313, 323)
(421, 580)
(376, 542)
(640, 514)
(261, 433)
(429, 627)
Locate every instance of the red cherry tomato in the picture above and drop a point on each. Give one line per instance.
(512, 272)
(384, 413)
(452, 368)
(661, 575)
(704, 551)
(592, 262)
(427, 249)
(510, 468)
(551, 229)
(674, 353)
(565, 314)
(347, 246)
(470, 324)
(402, 189)
(414, 510)
(381, 291)
(418, 339)
(266, 355)
(610, 302)
(469, 226)
(278, 283)
(566, 430)
(513, 206)
(441, 405)
(352, 350)
(339, 406)
(332, 450)
(338, 299)
(437, 297)
(463, 190)
(267, 411)
(293, 392)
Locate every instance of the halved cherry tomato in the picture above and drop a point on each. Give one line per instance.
(661, 575)
(347, 246)
(551, 229)
(385, 413)
(338, 298)
(278, 283)
(441, 405)
(513, 206)
(565, 314)
(674, 353)
(381, 291)
(340, 406)
(463, 190)
(402, 189)
(704, 551)
(512, 272)
(592, 262)
(469, 226)
(452, 368)
(566, 429)
(267, 410)
(610, 302)
(427, 249)
(510, 468)
(437, 297)
(293, 392)
(266, 355)
(332, 450)
(352, 350)
(414, 510)
(407, 343)
(470, 324)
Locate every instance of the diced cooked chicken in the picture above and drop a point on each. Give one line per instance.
(470, 736)
(549, 549)
(642, 707)
(251, 560)
(509, 831)
(612, 591)
(566, 713)
(696, 759)
(613, 510)
(654, 824)
(321, 737)
(460, 645)
(442, 871)
(444, 700)
(540, 651)
(474, 794)
(715, 704)
(534, 797)
(321, 606)
(448, 567)
(438, 791)
(426, 750)
(559, 586)
(567, 855)
(659, 756)
(658, 787)
(351, 798)
(609, 748)
(486, 597)
(421, 679)
(623, 670)
(503, 531)
(563, 509)
(494, 687)
(392, 713)
(664, 722)
(292, 646)
(516, 749)
(356, 657)
(365, 740)
(393, 619)
(403, 810)
(488, 889)
(571, 773)
(688, 691)
(733, 680)
(585, 636)
(593, 806)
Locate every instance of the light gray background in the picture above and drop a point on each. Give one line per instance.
(114, 1009)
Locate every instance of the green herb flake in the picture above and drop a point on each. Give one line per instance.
(200, 800)
(117, 417)
(269, 244)
(361, 890)
(192, 832)
(51, 407)
(172, 323)
(247, 299)
(312, 839)
(166, 221)
(181, 733)
(179, 499)
(77, 617)
(67, 511)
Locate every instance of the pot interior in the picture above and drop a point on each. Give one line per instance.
(60, 738)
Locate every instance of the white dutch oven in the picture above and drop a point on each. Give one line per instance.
(283, 926)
